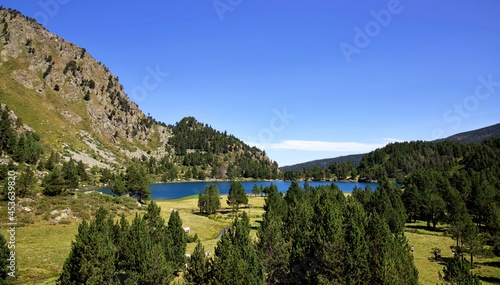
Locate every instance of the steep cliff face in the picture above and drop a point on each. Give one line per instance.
(74, 102)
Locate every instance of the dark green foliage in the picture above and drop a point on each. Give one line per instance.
(81, 171)
(144, 261)
(70, 174)
(137, 181)
(327, 235)
(199, 267)
(117, 185)
(71, 66)
(236, 259)
(178, 239)
(86, 97)
(272, 249)
(54, 183)
(23, 147)
(274, 202)
(91, 260)
(412, 201)
(457, 272)
(298, 231)
(209, 202)
(201, 145)
(25, 182)
(237, 195)
(155, 222)
(355, 251)
(387, 202)
(48, 70)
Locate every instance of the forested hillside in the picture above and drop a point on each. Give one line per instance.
(214, 154)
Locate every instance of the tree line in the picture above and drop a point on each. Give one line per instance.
(307, 236)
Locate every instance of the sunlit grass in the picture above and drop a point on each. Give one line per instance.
(425, 240)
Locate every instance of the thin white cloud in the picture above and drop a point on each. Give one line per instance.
(390, 140)
(324, 146)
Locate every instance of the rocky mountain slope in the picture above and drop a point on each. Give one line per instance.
(74, 103)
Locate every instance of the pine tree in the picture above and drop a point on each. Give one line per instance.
(155, 223)
(117, 185)
(379, 237)
(25, 181)
(51, 161)
(178, 239)
(236, 260)
(273, 250)
(411, 200)
(70, 174)
(209, 202)
(144, 261)
(237, 195)
(54, 183)
(274, 202)
(356, 251)
(298, 231)
(120, 240)
(457, 272)
(212, 192)
(91, 260)
(473, 241)
(198, 270)
(137, 182)
(327, 236)
(82, 173)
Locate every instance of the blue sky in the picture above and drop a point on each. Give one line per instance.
(303, 80)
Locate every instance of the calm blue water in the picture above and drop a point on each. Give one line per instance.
(183, 189)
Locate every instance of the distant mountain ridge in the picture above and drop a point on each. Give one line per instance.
(323, 163)
(475, 136)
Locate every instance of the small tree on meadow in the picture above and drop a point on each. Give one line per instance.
(237, 195)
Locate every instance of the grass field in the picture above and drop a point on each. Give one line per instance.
(42, 246)
(425, 241)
